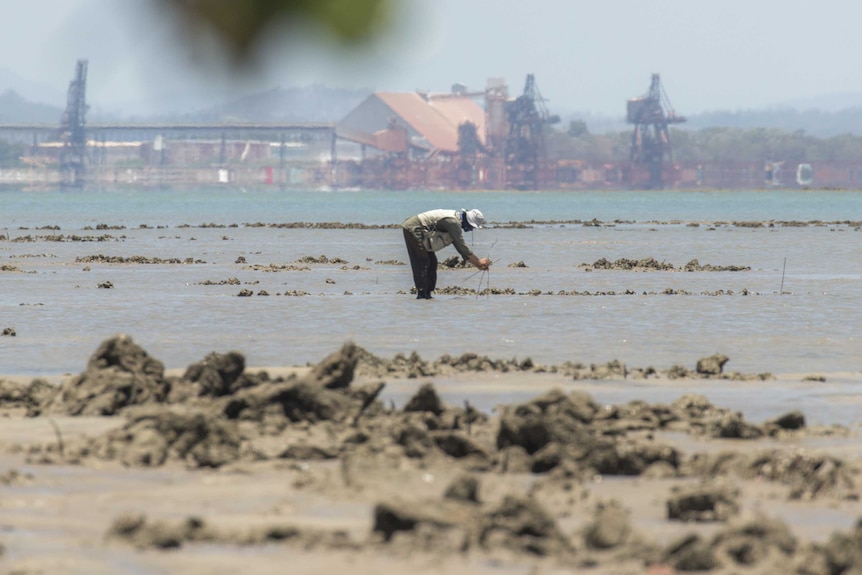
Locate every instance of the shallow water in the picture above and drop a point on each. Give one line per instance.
(61, 316)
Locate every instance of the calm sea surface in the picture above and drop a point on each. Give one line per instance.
(181, 312)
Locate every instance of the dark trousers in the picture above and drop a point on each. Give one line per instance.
(424, 264)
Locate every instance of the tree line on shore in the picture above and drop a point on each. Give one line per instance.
(690, 147)
(707, 145)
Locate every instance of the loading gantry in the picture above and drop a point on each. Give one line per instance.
(72, 129)
(526, 155)
(651, 114)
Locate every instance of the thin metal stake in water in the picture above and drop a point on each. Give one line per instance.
(782, 276)
(483, 276)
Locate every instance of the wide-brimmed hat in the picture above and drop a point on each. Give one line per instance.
(475, 218)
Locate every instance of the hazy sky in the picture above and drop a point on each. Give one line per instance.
(587, 56)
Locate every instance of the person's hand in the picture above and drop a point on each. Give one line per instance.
(484, 264)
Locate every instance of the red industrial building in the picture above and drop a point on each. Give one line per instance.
(409, 140)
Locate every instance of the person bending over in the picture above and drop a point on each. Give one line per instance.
(429, 232)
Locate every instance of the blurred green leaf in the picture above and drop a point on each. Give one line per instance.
(241, 24)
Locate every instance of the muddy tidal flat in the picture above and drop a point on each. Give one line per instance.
(359, 463)
(232, 381)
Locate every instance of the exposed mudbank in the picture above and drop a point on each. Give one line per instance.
(103, 259)
(66, 238)
(651, 264)
(495, 291)
(219, 415)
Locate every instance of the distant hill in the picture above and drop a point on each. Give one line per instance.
(814, 122)
(30, 90)
(826, 103)
(15, 109)
(316, 103)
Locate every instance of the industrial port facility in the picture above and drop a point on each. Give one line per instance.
(462, 139)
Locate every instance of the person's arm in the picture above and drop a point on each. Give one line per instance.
(482, 263)
(453, 227)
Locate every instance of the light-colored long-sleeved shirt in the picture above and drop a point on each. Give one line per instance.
(447, 223)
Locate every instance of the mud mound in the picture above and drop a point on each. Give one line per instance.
(841, 554)
(24, 395)
(517, 524)
(551, 418)
(398, 516)
(569, 432)
(759, 541)
(629, 456)
(320, 225)
(277, 268)
(808, 475)
(629, 265)
(337, 369)
(155, 436)
(413, 365)
(712, 365)
(703, 418)
(558, 428)
(426, 427)
(15, 477)
(610, 527)
(756, 541)
(463, 488)
(652, 264)
(370, 365)
(216, 374)
(197, 423)
(690, 553)
(119, 374)
(708, 501)
(520, 523)
(135, 529)
(320, 260)
(611, 370)
(425, 400)
(323, 394)
(291, 401)
(454, 262)
(637, 415)
(730, 425)
(103, 259)
(791, 420)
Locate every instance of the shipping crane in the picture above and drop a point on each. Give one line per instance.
(525, 153)
(651, 114)
(72, 129)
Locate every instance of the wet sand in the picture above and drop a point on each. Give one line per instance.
(363, 464)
